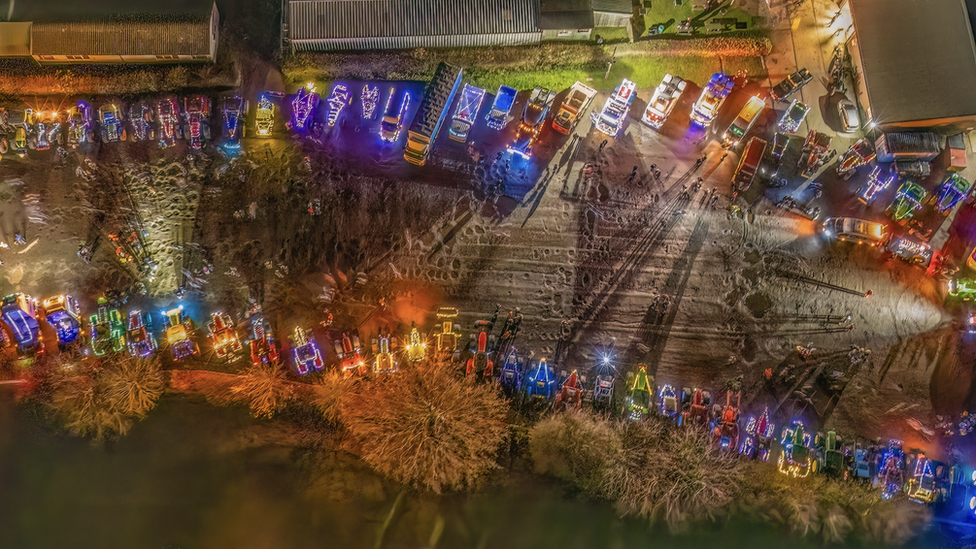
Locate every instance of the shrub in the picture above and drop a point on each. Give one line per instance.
(135, 384)
(575, 447)
(425, 427)
(264, 388)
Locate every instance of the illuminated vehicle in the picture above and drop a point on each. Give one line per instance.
(350, 356)
(223, 336)
(533, 120)
(264, 119)
(833, 457)
(908, 200)
(480, 364)
(501, 107)
(22, 141)
(613, 117)
(394, 114)
(168, 115)
(61, 312)
(817, 143)
(793, 117)
(962, 288)
(859, 154)
(745, 172)
(713, 96)
(141, 120)
(911, 251)
(19, 312)
(877, 183)
(196, 115)
(852, 229)
(663, 101)
(303, 108)
(179, 330)
(759, 437)
(369, 97)
(570, 395)
(891, 477)
(338, 100)
(743, 122)
(796, 457)
(571, 110)
(466, 112)
(305, 353)
(80, 125)
(668, 403)
(849, 117)
(385, 362)
(264, 350)
(416, 346)
(928, 480)
(107, 330)
(110, 123)
(953, 189)
(510, 374)
(541, 381)
(53, 128)
(790, 85)
(605, 375)
(41, 142)
(865, 464)
(726, 432)
(695, 405)
(637, 404)
(447, 337)
(139, 336)
(426, 124)
(233, 110)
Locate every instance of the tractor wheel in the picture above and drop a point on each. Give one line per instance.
(123, 136)
(3, 145)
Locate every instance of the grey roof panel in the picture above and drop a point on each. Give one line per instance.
(76, 10)
(613, 6)
(121, 38)
(562, 20)
(556, 6)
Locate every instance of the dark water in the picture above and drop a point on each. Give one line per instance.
(181, 479)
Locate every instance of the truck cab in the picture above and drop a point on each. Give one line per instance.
(663, 101)
(745, 172)
(394, 114)
(744, 122)
(533, 119)
(705, 110)
(497, 117)
(571, 110)
(614, 114)
(465, 113)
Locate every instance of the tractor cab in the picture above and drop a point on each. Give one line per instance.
(480, 364)
(541, 382)
(638, 401)
(447, 337)
(510, 376)
(385, 362)
(571, 393)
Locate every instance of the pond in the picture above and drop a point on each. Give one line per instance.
(195, 476)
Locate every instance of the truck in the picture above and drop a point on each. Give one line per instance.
(907, 146)
(744, 122)
(465, 113)
(614, 114)
(396, 110)
(571, 110)
(663, 101)
(745, 172)
(438, 96)
(705, 110)
(497, 116)
(533, 119)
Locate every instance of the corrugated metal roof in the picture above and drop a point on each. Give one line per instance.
(563, 20)
(547, 6)
(15, 39)
(340, 19)
(613, 6)
(48, 11)
(411, 42)
(121, 38)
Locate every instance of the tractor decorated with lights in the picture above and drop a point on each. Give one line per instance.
(416, 345)
(480, 364)
(447, 336)
(350, 356)
(540, 383)
(179, 329)
(61, 312)
(80, 129)
(139, 335)
(303, 107)
(758, 440)
(669, 403)
(338, 100)
(233, 111)
(726, 432)
(571, 393)
(891, 476)
(19, 312)
(369, 98)
(223, 336)
(605, 376)
(833, 461)
(142, 120)
(168, 116)
(264, 350)
(306, 356)
(110, 121)
(637, 404)
(196, 120)
(385, 362)
(107, 330)
(510, 374)
(695, 406)
(796, 457)
(928, 482)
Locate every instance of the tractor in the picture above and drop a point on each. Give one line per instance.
(796, 457)
(726, 432)
(107, 330)
(759, 437)
(480, 364)
(385, 362)
(305, 353)
(416, 345)
(541, 381)
(179, 330)
(350, 356)
(695, 406)
(223, 336)
(571, 393)
(447, 337)
(263, 347)
(606, 376)
(668, 405)
(510, 374)
(638, 401)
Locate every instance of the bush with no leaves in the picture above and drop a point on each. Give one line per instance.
(425, 427)
(574, 446)
(264, 388)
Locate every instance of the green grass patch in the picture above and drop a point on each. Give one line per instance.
(611, 34)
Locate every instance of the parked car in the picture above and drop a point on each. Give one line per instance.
(793, 117)
(852, 229)
(849, 118)
(790, 85)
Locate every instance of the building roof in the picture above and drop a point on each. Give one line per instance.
(565, 14)
(919, 58)
(344, 19)
(121, 38)
(15, 39)
(613, 6)
(99, 10)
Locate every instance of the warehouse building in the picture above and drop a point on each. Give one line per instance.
(132, 31)
(576, 19)
(914, 63)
